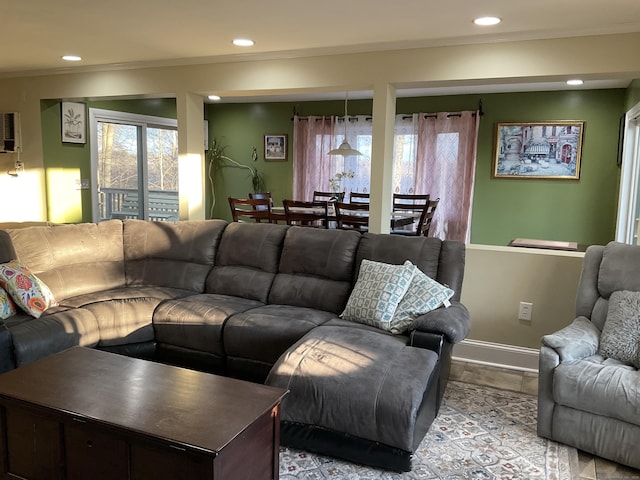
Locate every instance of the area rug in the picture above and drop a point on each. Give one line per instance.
(480, 433)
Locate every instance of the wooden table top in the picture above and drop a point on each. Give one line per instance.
(190, 408)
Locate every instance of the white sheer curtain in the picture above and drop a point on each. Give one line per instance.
(312, 167)
(313, 137)
(433, 153)
(442, 148)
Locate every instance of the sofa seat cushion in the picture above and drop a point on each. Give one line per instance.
(600, 386)
(264, 333)
(355, 381)
(124, 293)
(196, 321)
(37, 338)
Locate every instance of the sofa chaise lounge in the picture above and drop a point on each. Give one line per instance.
(260, 302)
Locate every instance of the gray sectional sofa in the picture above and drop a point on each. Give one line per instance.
(260, 302)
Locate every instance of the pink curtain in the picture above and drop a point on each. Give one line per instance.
(312, 138)
(445, 168)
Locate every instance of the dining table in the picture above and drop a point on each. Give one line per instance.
(398, 219)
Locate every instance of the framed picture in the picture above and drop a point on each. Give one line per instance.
(74, 122)
(549, 150)
(275, 147)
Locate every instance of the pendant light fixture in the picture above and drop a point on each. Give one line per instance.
(345, 149)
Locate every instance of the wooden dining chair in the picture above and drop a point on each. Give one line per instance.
(306, 214)
(416, 205)
(328, 196)
(424, 224)
(262, 195)
(360, 198)
(352, 216)
(250, 209)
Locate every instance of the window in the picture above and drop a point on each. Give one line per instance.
(134, 163)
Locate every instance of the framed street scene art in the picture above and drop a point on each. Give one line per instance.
(542, 150)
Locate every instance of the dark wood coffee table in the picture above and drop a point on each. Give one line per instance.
(87, 414)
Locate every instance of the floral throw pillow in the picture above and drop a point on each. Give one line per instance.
(377, 293)
(7, 307)
(424, 294)
(26, 290)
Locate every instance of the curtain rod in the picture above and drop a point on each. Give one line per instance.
(406, 117)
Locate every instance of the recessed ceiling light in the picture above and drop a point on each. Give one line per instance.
(575, 81)
(71, 58)
(215, 98)
(243, 42)
(487, 21)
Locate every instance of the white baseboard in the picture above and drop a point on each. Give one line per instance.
(497, 354)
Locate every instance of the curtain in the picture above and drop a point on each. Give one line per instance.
(312, 167)
(433, 153)
(313, 138)
(445, 168)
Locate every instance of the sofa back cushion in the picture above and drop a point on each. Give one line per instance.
(170, 254)
(316, 269)
(442, 260)
(247, 260)
(606, 269)
(72, 259)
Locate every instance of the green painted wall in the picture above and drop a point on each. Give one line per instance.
(241, 127)
(633, 94)
(68, 157)
(583, 211)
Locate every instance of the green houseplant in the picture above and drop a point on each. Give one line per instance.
(217, 160)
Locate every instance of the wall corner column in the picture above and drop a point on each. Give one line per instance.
(190, 110)
(384, 114)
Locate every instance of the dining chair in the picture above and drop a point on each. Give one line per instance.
(328, 196)
(427, 217)
(250, 209)
(359, 198)
(352, 216)
(416, 205)
(262, 195)
(306, 214)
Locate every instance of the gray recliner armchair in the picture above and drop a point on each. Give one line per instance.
(587, 397)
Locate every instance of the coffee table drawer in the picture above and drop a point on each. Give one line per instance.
(93, 454)
(33, 447)
(159, 462)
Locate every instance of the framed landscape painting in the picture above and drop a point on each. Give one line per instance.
(544, 150)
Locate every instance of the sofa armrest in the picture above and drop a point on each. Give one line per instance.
(578, 340)
(453, 322)
(6, 349)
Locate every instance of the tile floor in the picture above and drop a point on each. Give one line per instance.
(591, 468)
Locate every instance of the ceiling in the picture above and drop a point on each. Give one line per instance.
(126, 34)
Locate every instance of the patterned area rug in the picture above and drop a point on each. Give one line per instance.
(480, 433)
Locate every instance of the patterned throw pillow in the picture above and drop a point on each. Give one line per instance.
(7, 307)
(27, 290)
(424, 295)
(377, 293)
(620, 338)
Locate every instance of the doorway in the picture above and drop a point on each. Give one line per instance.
(134, 166)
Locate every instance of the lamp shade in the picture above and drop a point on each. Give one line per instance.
(344, 149)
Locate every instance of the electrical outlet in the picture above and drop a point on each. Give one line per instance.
(19, 167)
(525, 311)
